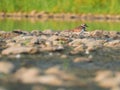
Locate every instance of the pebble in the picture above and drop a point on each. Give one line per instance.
(82, 59)
(63, 56)
(18, 56)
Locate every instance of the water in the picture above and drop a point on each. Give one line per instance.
(32, 24)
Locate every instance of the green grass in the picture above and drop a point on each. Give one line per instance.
(59, 6)
(9, 25)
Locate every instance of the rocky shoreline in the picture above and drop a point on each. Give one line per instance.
(60, 59)
(17, 42)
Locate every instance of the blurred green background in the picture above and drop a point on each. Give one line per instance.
(111, 7)
(64, 6)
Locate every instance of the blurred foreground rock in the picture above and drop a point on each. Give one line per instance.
(52, 76)
(6, 67)
(108, 79)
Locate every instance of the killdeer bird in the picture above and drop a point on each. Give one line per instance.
(80, 29)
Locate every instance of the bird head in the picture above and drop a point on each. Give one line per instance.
(83, 26)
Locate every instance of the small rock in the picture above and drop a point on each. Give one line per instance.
(35, 40)
(25, 75)
(18, 56)
(38, 87)
(80, 48)
(47, 48)
(36, 32)
(53, 38)
(20, 32)
(50, 80)
(82, 59)
(2, 88)
(113, 43)
(64, 56)
(43, 37)
(114, 35)
(59, 48)
(50, 54)
(49, 32)
(86, 44)
(97, 33)
(75, 42)
(87, 52)
(8, 35)
(18, 50)
(61, 89)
